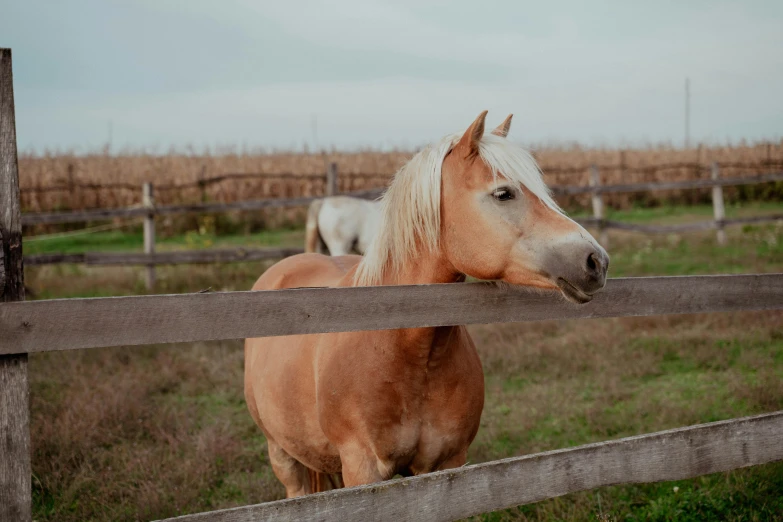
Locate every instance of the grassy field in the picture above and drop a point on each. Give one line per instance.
(149, 432)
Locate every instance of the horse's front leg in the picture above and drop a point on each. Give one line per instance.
(456, 461)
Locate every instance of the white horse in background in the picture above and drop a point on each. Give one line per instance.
(341, 225)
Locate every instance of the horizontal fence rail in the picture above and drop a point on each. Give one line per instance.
(67, 324)
(83, 216)
(683, 227)
(223, 255)
(203, 182)
(216, 255)
(471, 490)
(668, 185)
(68, 186)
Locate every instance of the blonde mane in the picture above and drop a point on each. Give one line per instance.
(410, 208)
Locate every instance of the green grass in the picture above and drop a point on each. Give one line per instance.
(133, 241)
(745, 495)
(151, 432)
(563, 384)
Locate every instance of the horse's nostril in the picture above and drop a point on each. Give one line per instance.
(592, 263)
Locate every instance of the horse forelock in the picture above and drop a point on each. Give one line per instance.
(410, 208)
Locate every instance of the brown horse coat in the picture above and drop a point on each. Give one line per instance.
(368, 405)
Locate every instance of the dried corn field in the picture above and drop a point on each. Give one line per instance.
(66, 181)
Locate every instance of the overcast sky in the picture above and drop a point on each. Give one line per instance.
(390, 73)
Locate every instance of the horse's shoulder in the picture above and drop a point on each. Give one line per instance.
(306, 270)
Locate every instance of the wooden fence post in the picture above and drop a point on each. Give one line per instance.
(202, 183)
(15, 470)
(717, 205)
(148, 201)
(598, 207)
(331, 180)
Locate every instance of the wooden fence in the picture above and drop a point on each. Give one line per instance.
(595, 188)
(212, 255)
(148, 210)
(295, 184)
(68, 324)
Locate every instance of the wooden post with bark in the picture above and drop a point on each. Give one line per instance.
(148, 201)
(331, 180)
(598, 207)
(15, 470)
(717, 206)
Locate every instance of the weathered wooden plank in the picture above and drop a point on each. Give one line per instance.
(15, 489)
(82, 216)
(331, 180)
(598, 207)
(753, 219)
(668, 185)
(54, 259)
(228, 255)
(661, 229)
(718, 209)
(688, 227)
(2, 265)
(190, 184)
(207, 208)
(65, 324)
(85, 216)
(148, 201)
(254, 205)
(454, 494)
(15, 468)
(192, 256)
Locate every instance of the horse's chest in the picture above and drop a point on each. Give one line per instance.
(434, 426)
(413, 415)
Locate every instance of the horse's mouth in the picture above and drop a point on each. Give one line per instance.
(572, 293)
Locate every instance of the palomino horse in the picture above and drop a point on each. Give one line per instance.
(342, 224)
(369, 405)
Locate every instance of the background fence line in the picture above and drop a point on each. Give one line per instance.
(148, 211)
(72, 185)
(82, 216)
(229, 255)
(212, 255)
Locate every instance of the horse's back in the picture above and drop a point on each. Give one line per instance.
(307, 270)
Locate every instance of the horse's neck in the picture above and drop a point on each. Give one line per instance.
(425, 269)
(427, 347)
(428, 344)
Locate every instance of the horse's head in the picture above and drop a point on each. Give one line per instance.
(498, 220)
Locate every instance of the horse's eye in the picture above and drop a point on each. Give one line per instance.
(503, 194)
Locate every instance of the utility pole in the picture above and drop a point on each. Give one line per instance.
(687, 113)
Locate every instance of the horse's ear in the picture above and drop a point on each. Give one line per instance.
(502, 129)
(468, 144)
